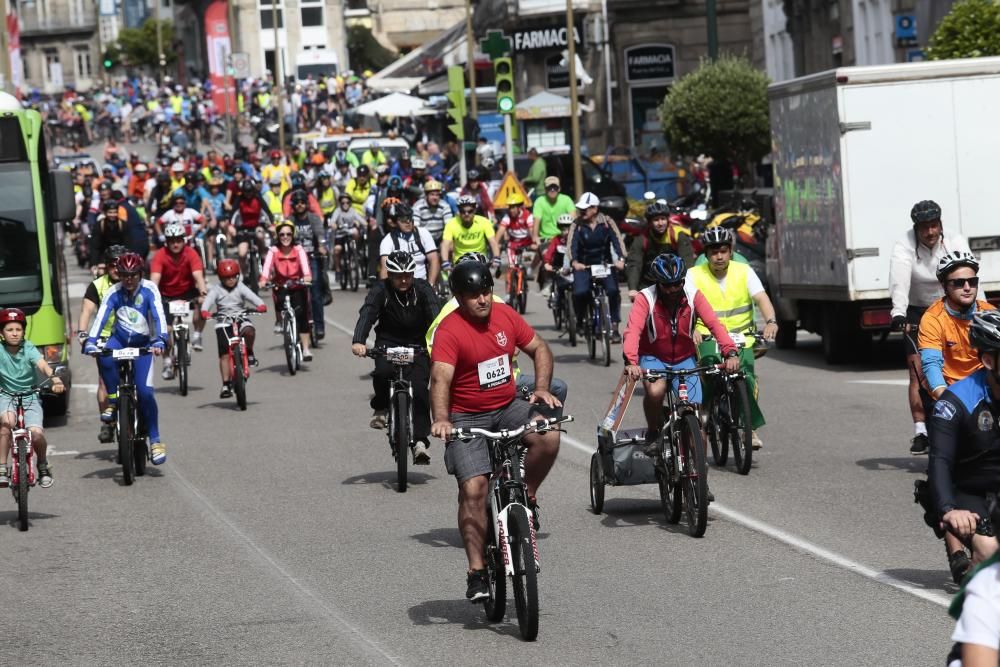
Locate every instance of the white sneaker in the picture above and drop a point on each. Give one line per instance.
(168, 372)
(546, 292)
(420, 455)
(756, 441)
(277, 329)
(196, 342)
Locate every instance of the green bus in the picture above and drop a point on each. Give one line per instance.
(33, 200)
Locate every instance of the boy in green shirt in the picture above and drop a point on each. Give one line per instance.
(19, 360)
(546, 212)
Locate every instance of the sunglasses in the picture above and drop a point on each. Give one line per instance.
(126, 276)
(284, 235)
(552, 188)
(175, 239)
(464, 211)
(959, 283)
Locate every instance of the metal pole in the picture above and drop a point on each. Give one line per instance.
(225, 83)
(461, 162)
(509, 137)
(234, 32)
(607, 63)
(713, 29)
(6, 73)
(279, 88)
(470, 43)
(159, 38)
(574, 111)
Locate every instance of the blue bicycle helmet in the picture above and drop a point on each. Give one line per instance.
(667, 269)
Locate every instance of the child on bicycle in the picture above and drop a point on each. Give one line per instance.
(288, 261)
(556, 257)
(19, 362)
(230, 298)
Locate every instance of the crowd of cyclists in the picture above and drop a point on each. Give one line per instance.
(429, 259)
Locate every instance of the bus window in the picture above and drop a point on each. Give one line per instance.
(20, 267)
(12, 146)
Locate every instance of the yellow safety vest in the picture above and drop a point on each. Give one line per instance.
(103, 285)
(273, 202)
(176, 103)
(358, 194)
(732, 305)
(328, 201)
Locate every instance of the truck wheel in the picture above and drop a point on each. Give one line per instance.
(787, 330)
(836, 339)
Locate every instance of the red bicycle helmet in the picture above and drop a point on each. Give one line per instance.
(12, 315)
(129, 263)
(228, 268)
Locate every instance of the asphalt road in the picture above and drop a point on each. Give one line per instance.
(276, 536)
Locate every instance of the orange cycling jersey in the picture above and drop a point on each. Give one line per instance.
(945, 352)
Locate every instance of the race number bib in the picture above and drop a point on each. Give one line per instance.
(179, 308)
(125, 353)
(494, 372)
(738, 339)
(600, 271)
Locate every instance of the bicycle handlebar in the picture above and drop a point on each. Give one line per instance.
(222, 317)
(670, 373)
(536, 426)
(33, 390)
(294, 282)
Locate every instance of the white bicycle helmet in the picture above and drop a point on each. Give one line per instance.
(717, 236)
(466, 200)
(418, 163)
(400, 261)
(473, 257)
(174, 231)
(953, 260)
(566, 219)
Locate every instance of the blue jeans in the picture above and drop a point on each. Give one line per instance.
(651, 363)
(581, 292)
(143, 369)
(316, 266)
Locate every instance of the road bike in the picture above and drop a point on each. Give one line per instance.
(289, 327)
(22, 453)
(680, 457)
(517, 276)
(729, 417)
(133, 450)
(349, 273)
(561, 305)
(597, 319)
(511, 548)
(400, 423)
(180, 334)
(239, 363)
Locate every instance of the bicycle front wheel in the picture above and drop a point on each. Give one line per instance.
(126, 436)
(694, 477)
(570, 319)
(355, 277)
(596, 483)
(716, 427)
(181, 356)
(525, 573)
(239, 380)
(496, 604)
(741, 428)
(401, 436)
(289, 342)
(589, 332)
(606, 329)
(23, 473)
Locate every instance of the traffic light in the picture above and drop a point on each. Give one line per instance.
(503, 76)
(110, 55)
(456, 101)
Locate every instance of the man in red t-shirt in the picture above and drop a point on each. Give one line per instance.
(178, 272)
(472, 385)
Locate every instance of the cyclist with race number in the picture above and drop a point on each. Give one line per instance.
(914, 287)
(472, 385)
(518, 228)
(139, 322)
(288, 261)
(346, 223)
(964, 430)
(230, 298)
(732, 289)
(595, 239)
(20, 363)
(179, 275)
(468, 232)
(401, 308)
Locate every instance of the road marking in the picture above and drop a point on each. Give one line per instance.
(894, 383)
(328, 610)
(92, 388)
(798, 543)
(338, 326)
(77, 290)
(801, 544)
(58, 452)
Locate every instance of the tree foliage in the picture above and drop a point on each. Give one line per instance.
(719, 109)
(365, 52)
(970, 30)
(138, 45)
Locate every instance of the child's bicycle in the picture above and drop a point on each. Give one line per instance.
(22, 475)
(239, 364)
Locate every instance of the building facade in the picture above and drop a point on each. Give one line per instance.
(61, 44)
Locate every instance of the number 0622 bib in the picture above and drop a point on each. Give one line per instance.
(494, 372)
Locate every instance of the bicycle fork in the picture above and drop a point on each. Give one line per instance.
(21, 438)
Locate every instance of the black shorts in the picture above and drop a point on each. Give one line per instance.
(913, 315)
(188, 296)
(222, 336)
(979, 504)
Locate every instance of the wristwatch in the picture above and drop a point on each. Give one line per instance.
(732, 353)
(771, 321)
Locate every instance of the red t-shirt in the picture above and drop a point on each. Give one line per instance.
(176, 271)
(481, 353)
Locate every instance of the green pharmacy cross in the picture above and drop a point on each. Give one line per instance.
(496, 44)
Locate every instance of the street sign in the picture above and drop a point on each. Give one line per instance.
(496, 44)
(508, 187)
(240, 62)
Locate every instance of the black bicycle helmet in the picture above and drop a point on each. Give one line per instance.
(657, 210)
(299, 197)
(397, 210)
(667, 269)
(298, 181)
(925, 211)
(470, 278)
(984, 332)
(400, 261)
(473, 175)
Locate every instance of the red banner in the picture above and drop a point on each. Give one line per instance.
(219, 48)
(14, 44)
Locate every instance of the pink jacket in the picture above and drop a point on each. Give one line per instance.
(294, 265)
(653, 335)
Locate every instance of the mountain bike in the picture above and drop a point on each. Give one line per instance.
(289, 327)
(400, 424)
(729, 419)
(517, 276)
(561, 305)
(511, 544)
(680, 458)
(22, 453)
(180, 323)
(130, 431)
(443, 287)
(239, 365)
(597, 319)
(349, 275)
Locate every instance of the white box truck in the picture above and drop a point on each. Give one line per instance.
(853, 149)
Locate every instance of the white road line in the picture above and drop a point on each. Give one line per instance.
(894, 383)
(780, 535)
(58, 452)
(92, 388)
(339, 327)
(801, 544)
(331, 612)
(77, 290)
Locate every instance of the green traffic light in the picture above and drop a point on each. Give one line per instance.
(107, 64)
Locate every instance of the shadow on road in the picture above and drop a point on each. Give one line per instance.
(935, 580)
(116, 474)
(459, 612)
(629, 512)
(440, 537)
(174, 390)
(914, 464)
(887, 356)
(387, 478)
(10, 518)
(226, 403)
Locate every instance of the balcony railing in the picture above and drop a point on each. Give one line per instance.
(56, 25)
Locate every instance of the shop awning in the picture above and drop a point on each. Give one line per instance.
(396, 104)
(394, 84)
(543, 105)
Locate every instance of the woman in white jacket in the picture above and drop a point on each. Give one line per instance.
(914, 287)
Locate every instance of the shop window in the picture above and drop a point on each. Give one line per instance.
(545, 133)
(84, 66)
(312, 17)
(265, 19)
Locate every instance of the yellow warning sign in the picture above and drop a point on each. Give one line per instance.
(508, 187)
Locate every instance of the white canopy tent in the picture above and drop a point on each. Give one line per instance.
(395, 104)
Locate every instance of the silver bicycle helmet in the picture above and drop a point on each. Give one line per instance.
(473, 257)
(953, 260)
(984, 332)
(466, 200)
(400, 261)
(717, 236)
(565, 220)
(174, 231)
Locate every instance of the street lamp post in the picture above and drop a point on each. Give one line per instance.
(278, 79)
(470, 56)
(574, 111)
(159, 39)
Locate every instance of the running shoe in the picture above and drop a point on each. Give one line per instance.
(478, 589)
(44, 474)
(158, 453)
